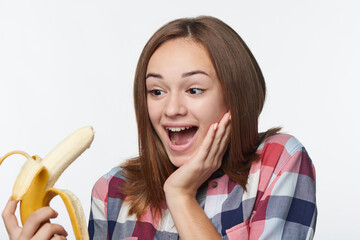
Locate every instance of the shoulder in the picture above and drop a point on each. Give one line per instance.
(109, 184)
(280, 148)
(106, 202)
(283, 153)
(286, 142)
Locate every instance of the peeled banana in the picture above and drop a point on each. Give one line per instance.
(34, 184)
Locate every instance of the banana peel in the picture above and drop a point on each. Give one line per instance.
(34, 185)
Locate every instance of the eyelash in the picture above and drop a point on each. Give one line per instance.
(195, 89)
(191, 91)
(154, 92)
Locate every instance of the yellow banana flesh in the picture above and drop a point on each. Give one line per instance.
(34, 184)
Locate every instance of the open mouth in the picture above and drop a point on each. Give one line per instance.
(181, 135)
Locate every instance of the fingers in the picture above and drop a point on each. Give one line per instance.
(220, 141)
(10, 220)
(36, 219)
(51, 231)
(37, 225)
(207, 143)
(223, 144)
(58, 237)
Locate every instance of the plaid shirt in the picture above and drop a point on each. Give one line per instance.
(279, 202)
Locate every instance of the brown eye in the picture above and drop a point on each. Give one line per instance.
(195, 91)
(156, 92)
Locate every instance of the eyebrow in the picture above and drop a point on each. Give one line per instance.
(153, 75)
(187, 74)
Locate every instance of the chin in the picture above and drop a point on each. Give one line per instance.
(178, 161)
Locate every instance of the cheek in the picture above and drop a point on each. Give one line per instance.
(211, 111)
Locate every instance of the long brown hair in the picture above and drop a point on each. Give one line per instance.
(244, 90)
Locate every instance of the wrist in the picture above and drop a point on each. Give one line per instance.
(178, 192)
(179, 199)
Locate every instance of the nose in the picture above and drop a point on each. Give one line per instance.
(175, 106)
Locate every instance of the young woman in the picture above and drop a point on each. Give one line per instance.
(204, 171)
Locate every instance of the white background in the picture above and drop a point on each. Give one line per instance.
(66, 64)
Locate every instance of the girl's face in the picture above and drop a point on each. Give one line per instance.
(184, 97)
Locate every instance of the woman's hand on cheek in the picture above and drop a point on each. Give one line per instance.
(186, 180)
(35, 227)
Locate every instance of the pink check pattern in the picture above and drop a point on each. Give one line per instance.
(279, 203)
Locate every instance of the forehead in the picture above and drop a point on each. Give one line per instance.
(181, 54)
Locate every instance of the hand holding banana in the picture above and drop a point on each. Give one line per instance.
(34, 184)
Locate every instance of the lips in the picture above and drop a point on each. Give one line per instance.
(181, 138)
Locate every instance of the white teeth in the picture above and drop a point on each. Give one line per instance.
(176, 129)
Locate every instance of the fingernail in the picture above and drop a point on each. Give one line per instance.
(215, 126)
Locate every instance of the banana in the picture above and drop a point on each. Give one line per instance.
(34, 184)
